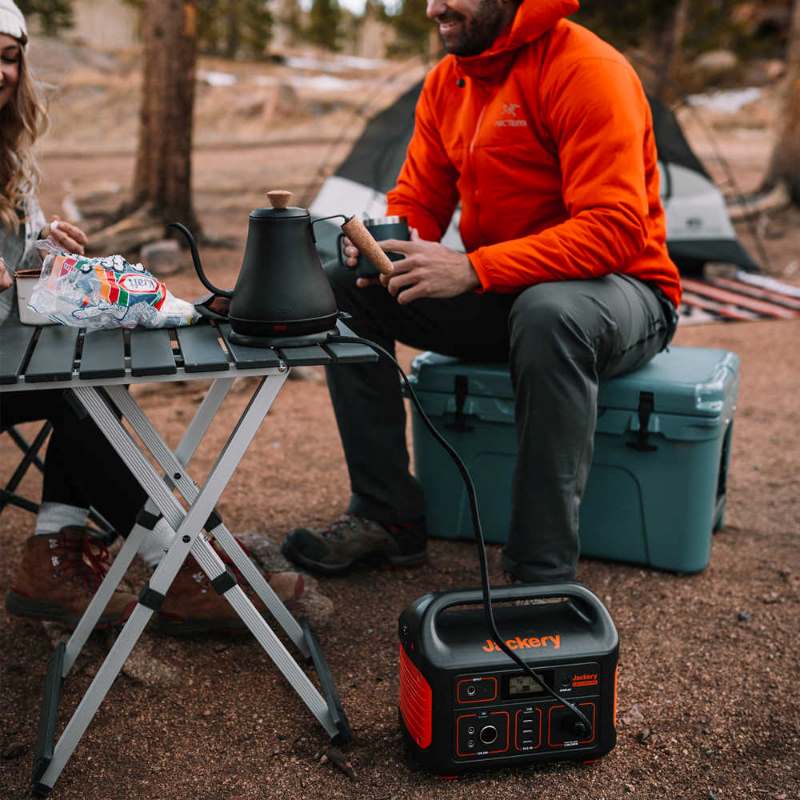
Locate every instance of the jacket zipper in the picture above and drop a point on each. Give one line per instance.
(471, 152)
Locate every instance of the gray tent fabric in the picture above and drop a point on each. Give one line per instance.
(699, 229)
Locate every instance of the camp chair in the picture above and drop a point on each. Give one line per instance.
(30, 457)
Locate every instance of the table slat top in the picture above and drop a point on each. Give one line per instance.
(151, 353)
(71, 356)
(103, 355)
(15, 344)
(201, 349)
(54, 355)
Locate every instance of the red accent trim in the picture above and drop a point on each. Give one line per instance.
(458, 738)
(470, 701)
(516, 730)
(416, 702)
(580, 741)
(484, 752)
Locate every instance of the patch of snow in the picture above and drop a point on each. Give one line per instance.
(334, 64)
(323, 83)
(217, 79)
(359, 62)
(725, 101)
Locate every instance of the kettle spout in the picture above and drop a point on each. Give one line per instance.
(196, 259)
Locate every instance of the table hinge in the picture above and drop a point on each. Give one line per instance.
(214, 520)
(147, 520)
(151, 599)
(224, 582)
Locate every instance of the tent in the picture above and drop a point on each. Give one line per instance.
(698, 227)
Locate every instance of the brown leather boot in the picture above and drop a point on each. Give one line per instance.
(192, 605)
(59, 575)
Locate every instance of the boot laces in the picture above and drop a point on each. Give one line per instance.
(87, 561)
(340, 527)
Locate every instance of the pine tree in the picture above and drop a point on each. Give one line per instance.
(163, 175)
(234, 28)
(412, 27)
(55, 16)
(324, 24)
(784, 165)
(292, 18)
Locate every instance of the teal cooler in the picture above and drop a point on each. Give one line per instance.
(656, 489)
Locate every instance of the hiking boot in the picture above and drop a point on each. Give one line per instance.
(351, 539)
(192, 605)
(59, 575)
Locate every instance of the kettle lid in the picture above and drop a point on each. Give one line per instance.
(280, 208)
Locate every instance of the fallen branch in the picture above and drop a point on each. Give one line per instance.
(743, 209)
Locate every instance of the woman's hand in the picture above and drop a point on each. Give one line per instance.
(5, 278)
(66, 235)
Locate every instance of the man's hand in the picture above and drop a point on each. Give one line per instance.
(429, 270)
(5, 278)
(66, 235)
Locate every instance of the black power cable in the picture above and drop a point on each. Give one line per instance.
(583, 726)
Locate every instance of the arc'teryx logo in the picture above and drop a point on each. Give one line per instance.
(509, 117)
(529, 643)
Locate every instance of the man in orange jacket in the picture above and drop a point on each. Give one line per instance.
(543, 134)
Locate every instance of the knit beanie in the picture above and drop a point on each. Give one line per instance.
(12, 23)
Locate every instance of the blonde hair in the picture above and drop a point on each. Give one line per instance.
(22, 121)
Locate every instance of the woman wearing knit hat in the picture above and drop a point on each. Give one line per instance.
(61, 564)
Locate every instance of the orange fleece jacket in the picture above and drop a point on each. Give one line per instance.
(547, 141)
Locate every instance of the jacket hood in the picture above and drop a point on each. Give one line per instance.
(533, 19)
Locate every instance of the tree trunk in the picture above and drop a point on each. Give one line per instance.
(671, 52)
(163, 177)
(234, 33)
(784, 165)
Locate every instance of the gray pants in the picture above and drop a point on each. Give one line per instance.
(559, 338)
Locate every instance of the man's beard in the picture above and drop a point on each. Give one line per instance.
(476, 35)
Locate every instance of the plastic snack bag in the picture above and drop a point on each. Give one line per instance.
(106, 292)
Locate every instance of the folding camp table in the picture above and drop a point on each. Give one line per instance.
(96, 367)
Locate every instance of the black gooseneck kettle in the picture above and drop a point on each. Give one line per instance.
(282, 291)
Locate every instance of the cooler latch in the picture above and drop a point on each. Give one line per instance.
(461, 391)
(647, 403)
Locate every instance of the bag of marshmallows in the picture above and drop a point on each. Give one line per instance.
(108, 292)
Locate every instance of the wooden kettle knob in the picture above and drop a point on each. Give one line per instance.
(279, 198)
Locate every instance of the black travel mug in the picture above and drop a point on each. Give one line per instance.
(381, 228)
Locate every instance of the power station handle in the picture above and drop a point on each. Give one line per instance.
(573, 591)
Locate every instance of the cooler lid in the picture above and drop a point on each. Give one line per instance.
(691, 381)
(436, 373)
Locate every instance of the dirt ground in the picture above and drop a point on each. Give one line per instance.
(707, 694)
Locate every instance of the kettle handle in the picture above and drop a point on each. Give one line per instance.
(196, 259)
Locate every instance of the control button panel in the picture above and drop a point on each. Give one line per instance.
(483, 733)
(563, 729)
(476, 689)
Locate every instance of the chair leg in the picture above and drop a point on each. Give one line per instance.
(31, 456)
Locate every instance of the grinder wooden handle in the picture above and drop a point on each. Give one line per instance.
(367, 246)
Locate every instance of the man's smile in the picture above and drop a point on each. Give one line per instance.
(449, 21)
